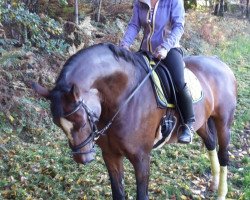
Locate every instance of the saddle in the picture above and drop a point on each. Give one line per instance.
(163, 86)
(164, 91)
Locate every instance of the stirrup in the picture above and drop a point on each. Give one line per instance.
(191, 133)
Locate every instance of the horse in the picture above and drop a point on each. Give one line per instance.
(92, 103)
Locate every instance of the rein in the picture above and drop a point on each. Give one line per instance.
(95, 133)
(128, 99)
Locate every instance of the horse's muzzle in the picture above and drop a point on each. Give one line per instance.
(84, 158)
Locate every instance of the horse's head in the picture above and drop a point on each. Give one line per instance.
(76, 113)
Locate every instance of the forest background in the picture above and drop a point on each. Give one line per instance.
(36, 38)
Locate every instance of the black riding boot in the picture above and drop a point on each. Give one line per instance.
(184, 100)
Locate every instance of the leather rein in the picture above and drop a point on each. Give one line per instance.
(93, 119)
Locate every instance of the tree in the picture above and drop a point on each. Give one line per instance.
(99, 10)
(76, 12)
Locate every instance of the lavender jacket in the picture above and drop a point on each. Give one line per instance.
(166, 28)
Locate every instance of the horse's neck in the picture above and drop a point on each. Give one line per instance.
(115, 84)
(114, 79)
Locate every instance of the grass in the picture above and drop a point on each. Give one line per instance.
(236, 54)
(35, 160)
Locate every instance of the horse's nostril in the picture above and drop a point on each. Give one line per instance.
(84, 159)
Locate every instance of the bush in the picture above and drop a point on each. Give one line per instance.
(41, 31)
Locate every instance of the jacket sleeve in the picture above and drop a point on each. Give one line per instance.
(177, 24)
(133, 27)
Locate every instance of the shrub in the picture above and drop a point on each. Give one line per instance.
(32, 29)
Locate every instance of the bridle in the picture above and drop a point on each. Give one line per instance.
(93, 119)
(94, 135)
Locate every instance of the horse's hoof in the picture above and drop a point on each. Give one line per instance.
(213, 187)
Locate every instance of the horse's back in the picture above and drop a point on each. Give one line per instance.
(218, 83)
(213, 70)
(208, 64)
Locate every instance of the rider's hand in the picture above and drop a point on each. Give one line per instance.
(160, 52)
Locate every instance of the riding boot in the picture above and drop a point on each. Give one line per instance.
(184, 100)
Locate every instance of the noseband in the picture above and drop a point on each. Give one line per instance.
(94, 135)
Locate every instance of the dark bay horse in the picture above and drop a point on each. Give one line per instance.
(89, 102)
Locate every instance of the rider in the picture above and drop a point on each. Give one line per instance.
(163, 25)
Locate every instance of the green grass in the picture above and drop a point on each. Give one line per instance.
(236, 54)
(35, 160)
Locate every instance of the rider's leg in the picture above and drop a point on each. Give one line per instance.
(175, 64)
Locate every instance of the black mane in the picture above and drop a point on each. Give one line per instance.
(134, 57)
(63, 87)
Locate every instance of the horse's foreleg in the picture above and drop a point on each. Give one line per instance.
(141, 166)
(114, 165)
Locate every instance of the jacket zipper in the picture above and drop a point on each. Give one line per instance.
(151, 28)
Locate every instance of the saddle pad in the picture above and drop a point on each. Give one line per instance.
(190, 78)
(161, 99)
(193, 84)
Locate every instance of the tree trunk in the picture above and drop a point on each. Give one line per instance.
(76, 12)
(99, 11)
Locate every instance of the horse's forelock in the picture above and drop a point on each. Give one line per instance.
(55, 106)
(56, 100)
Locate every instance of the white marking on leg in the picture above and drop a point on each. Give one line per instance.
(215, 169)
(67, 127)
(222, 191)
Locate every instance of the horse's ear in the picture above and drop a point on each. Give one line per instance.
(42, 91)
(75, 91)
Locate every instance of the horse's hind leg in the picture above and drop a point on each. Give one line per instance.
(223, 123)
(116, 173)
(223, 129)
(208, 134)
